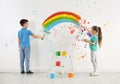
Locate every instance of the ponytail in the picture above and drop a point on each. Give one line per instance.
(99, 37)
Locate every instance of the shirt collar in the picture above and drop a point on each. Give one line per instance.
(24, 28)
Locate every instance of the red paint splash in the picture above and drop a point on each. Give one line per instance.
(72, 31)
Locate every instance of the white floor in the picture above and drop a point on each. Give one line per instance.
(42, 78)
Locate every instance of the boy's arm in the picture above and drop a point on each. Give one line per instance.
(37, 36)
(19, 42)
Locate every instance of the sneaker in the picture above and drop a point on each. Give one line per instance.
(29, 72)
(22, 72)
(94, 74)
(91, 73)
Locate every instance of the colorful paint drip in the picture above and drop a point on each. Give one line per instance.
(89, 34)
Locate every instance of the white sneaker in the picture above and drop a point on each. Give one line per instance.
(94, 74)
(91, 73)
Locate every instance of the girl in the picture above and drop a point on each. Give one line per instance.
(94, 40)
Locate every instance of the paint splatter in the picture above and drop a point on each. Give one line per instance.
(72, 31)
(106, 23)
(85, 45)
(78, 58)
(74, 44)
(77, 38)
(81, 57)
(89, 35)
(84, 22)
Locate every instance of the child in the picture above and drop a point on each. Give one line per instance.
(94, 40)
(24, 45)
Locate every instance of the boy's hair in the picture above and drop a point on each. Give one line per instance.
(23, 21)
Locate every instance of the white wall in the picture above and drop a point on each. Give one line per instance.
(98, 12)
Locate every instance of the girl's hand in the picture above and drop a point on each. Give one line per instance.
(86, 40)
(85, 28)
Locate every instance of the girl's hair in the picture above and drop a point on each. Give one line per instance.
(99, 31)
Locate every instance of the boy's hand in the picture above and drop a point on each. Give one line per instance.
(42, 37)
(19, 50)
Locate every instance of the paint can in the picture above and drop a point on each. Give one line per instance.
(52, 75)
(57, 53)
(58, 63)
(70, 75)
(64, 53)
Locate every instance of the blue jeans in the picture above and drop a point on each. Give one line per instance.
(25, 57)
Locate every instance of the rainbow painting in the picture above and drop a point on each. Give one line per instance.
(60, 17)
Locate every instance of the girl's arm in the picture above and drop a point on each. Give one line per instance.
(88, 41)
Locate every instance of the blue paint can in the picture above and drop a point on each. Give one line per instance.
(52, 75)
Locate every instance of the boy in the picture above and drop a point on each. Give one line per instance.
(24, 45)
